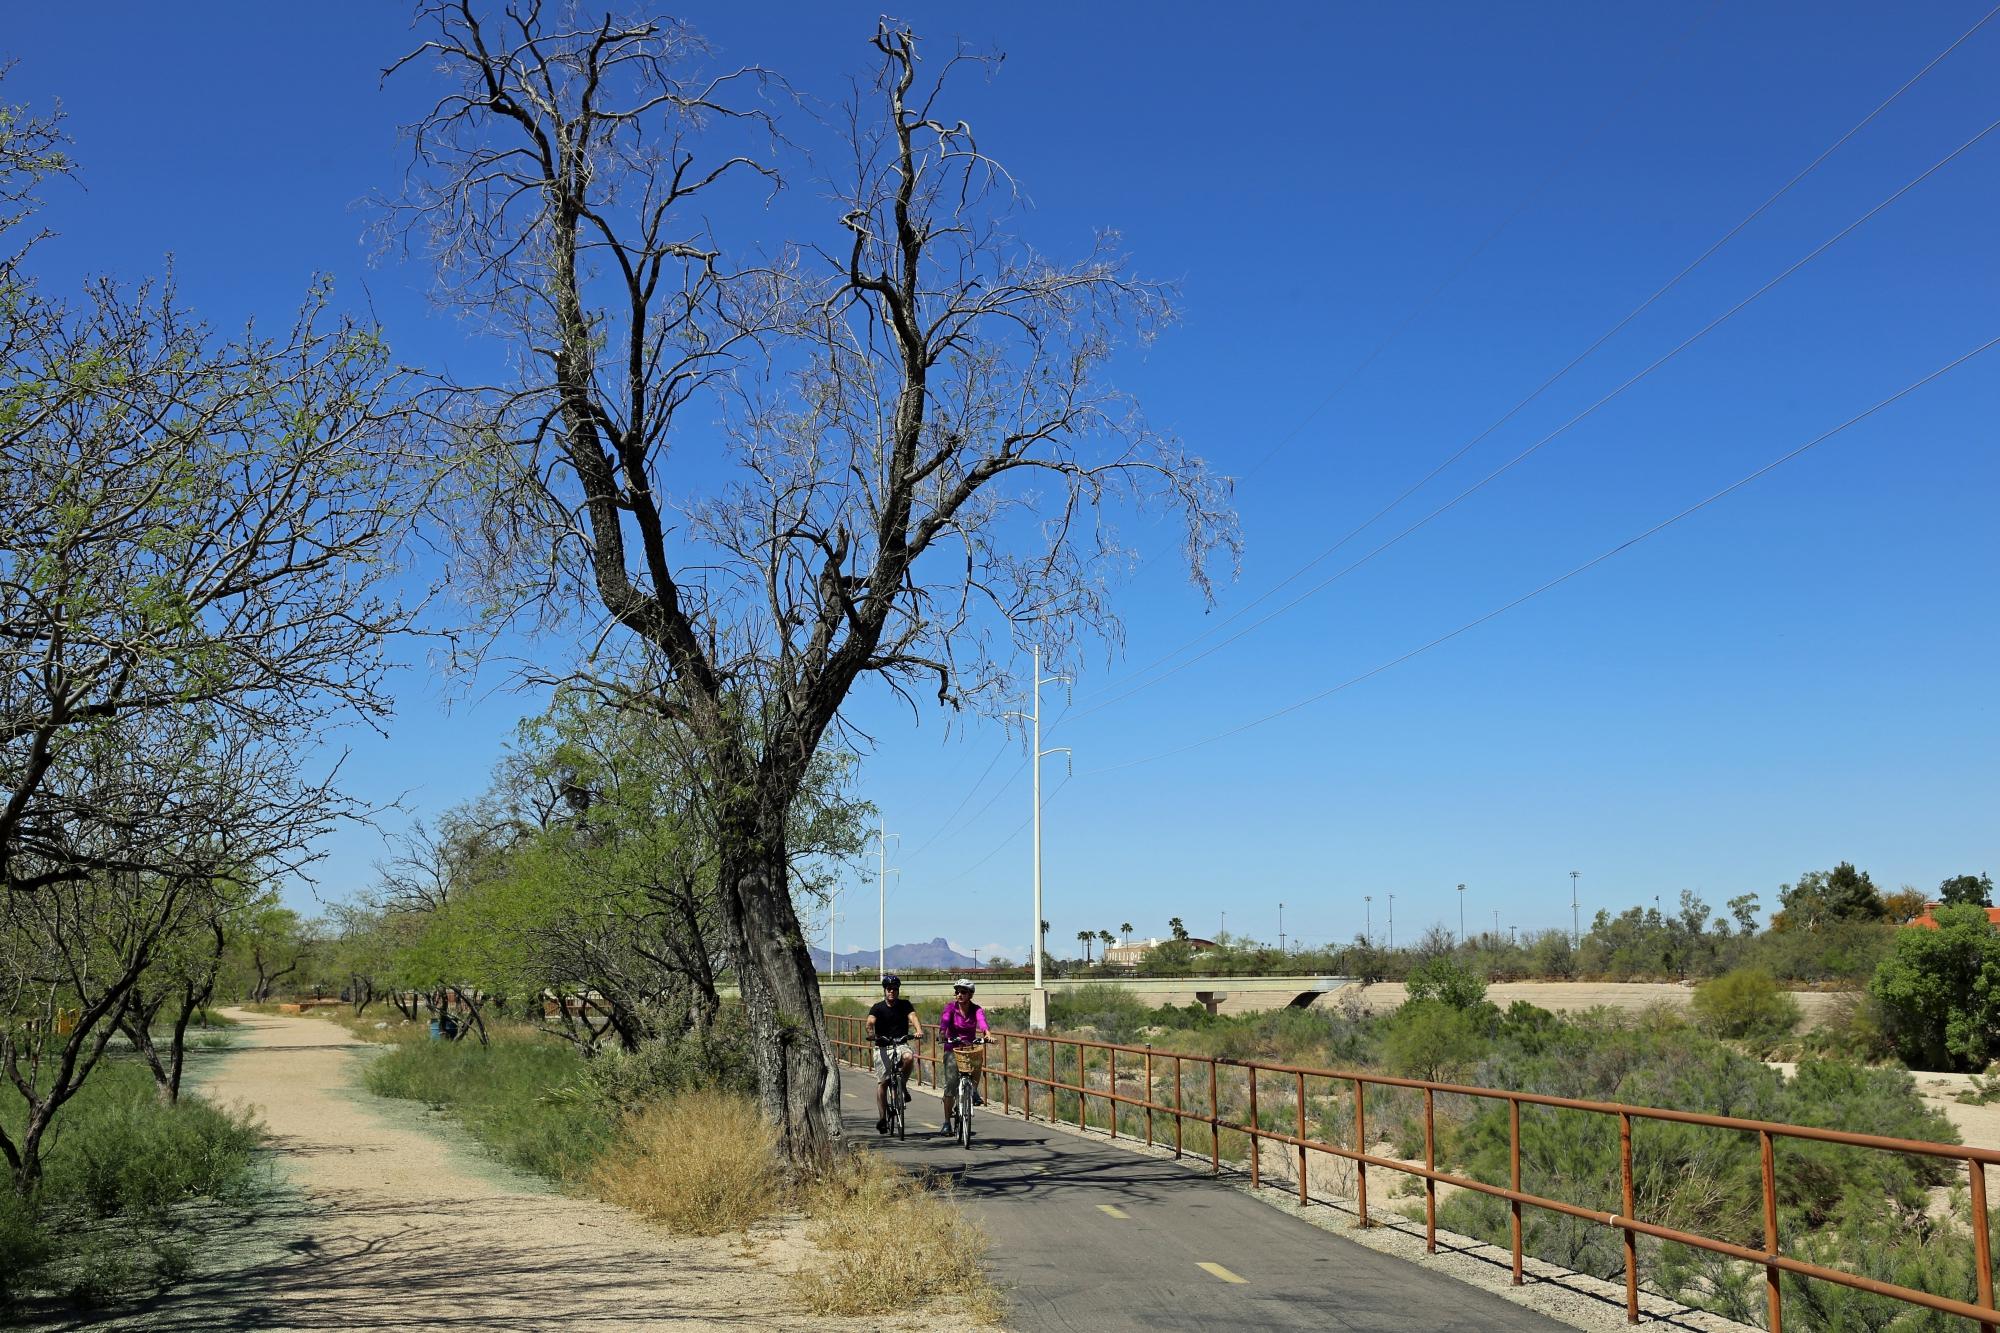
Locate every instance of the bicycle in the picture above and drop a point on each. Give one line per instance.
(890, 1073)
(970, 1062)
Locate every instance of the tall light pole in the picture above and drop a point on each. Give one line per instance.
(882, 836)
(1496, 925)
(1575, 934)
(1368, 917)
(1461, 913)
(1281, 927)
(1038, 998)
(1392, 923)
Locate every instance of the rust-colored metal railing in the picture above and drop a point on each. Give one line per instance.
(1020, 1075)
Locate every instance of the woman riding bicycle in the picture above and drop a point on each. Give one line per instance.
(893, 1026)
(962, 1024)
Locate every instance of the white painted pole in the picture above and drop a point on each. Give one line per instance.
(882, 899)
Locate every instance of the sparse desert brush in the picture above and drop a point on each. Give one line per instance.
(701, 1163)
(883, 1237)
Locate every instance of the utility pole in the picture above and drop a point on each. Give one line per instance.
(1038, 998)
(1575, 935)
(1461, 913)
(1496, 925)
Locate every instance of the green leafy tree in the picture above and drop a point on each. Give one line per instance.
(1821, 897)
(1169, 958)
(1743, 909)
(1430, 1039)
(1443, 979)
(1939, 992)
(1962, 889)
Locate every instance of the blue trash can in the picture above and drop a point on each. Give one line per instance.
(434, 1029)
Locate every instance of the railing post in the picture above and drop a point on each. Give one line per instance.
(1113, 1104)
(1082, 1082)
(1006, 1078)
(1360, 1146)
(1982, 1242)
(1430, 1182)
(1150, 1098)
(1180, 1104)
(1514, 1179)
(1256, 1140)
(1631, 1238)
(1774, 1299)
(1303, 1196)
(1214, 1124)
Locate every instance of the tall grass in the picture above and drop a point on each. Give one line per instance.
(112, 1211)
(515, 1097)
(700, 1163)
(884, 1237)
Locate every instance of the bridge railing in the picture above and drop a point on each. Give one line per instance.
(1028, 1062)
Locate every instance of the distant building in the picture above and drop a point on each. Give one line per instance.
(1130, 952)
(1929, 922)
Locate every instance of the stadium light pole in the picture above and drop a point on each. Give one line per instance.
(1461, 914)
(1038, 998)
(1575, 922)
(1392, 923)
(1368, 917)
(1281, 927)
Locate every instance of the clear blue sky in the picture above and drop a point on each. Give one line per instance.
(1800, 674)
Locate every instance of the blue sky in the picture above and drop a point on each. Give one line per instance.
(1801, 674)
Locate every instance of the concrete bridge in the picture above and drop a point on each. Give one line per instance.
(1220, 995)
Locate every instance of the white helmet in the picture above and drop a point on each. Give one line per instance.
(964, 984)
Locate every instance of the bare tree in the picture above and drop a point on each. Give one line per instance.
(924, 451)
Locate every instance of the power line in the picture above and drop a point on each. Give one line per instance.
(1548, 383)
(1561, 579)
(1539, 444)
(1458, 271)
(970, 792)
(1007, 841)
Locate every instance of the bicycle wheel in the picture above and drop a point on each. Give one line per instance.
(965, 1112)
(902, 1102)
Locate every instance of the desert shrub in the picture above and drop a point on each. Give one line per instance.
(699, 1163)
(1431, 1039)
(1447, 981)
(1113, 1013)
(1837, 951)
(883, 1236)
(516, 1097)
(1745, 1005)
(111, 1212)
(627, 1081)
(1939, 992)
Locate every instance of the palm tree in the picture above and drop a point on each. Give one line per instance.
(1084, 938)
(1107, 939)
(1176, 929)
(1126, 931)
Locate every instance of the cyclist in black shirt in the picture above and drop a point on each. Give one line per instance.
(894, 1026)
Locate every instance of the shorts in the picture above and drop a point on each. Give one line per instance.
(889, 1058)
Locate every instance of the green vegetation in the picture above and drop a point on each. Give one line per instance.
(1745, 1005)
(1939, 992)
(118, 1209)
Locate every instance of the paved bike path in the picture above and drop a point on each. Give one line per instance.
(1091, 1236)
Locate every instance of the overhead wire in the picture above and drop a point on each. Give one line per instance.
(1548, 383)
(1561, 579)
(1542, 442)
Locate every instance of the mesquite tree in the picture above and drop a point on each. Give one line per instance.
(919, 450)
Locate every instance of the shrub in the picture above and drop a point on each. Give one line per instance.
(628, 1081)
(700, 1163)
(516, 1097)
(1745, 1004)
(884, 1236)
(1430, 1039)
(1939, 992)
(1115, 1014)
(25, 1245)
(1447, 981)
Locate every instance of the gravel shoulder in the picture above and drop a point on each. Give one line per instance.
(392, 1225)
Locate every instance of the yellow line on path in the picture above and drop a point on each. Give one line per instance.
(1112, 1210)
(1217, 1270)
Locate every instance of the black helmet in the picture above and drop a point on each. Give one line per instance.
(891, 979)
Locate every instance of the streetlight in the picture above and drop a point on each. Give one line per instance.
(1368, 917)
(1575, 935)
(1281, 927)
(1461, 913)
(1392, 923)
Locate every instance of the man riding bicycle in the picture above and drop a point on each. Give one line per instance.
(894, 1027)
(962, 1024)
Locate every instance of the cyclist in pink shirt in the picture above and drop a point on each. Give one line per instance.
(962, 1023)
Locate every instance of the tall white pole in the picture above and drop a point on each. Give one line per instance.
(1575, 923)
(882, 896)
(1038, 998)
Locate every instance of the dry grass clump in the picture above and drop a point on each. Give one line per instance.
(886, 1238)
(700, 1163)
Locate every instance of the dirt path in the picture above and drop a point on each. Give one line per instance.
(399, 1228)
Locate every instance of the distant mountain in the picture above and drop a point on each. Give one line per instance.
(938, 953)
